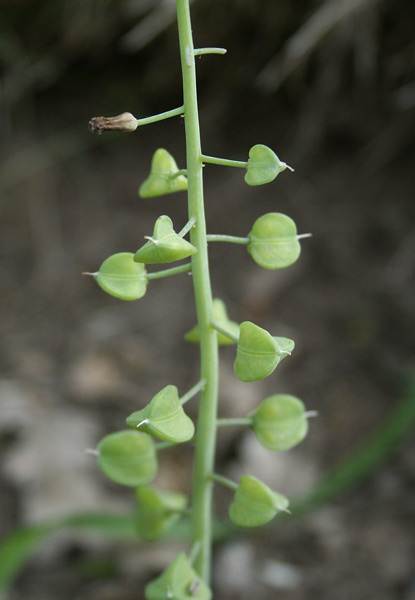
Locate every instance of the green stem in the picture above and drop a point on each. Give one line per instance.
(233, 239)
(224, 481)
(193, 391)
(178, 174)
(233, 421)
(168, 272)
(187, 227)
(200, 51)
(206, 425)
(165, 445)
(224, 332)
(225, 162)
(168, 445)
(161, 116)
(194, 551)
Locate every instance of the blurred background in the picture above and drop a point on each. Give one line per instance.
(329, 85)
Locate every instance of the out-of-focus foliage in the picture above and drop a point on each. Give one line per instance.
(323, 60)
(336, 43)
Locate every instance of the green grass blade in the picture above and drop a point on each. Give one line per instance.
(366, 458)
(361, 463)
(16, 548)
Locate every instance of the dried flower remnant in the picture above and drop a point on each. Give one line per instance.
(123, 122)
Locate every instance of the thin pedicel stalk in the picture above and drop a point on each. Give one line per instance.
(206, 426)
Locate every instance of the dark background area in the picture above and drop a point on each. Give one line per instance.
(330, 87)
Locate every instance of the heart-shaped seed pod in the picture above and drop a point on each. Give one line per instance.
(164, 177)
(279, 422)
(255, 503)
(128, 457)
(178, 582)
(165, 245)
(121, 277)
(156, 511)
(258, 352)
(263, 165)
(273, 242)
(164, 417)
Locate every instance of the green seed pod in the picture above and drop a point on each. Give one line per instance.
(162, 179)
(178, 582)
(258, 352)
(164, 417)
(255, 503)
(220, 316)
(165, 245)
(263, 165)
(279, 422)
(128, 457)
(121, 277)
(157, 511)
(273, 242)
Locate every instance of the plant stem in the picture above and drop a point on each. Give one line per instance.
(168, 445)
(224, 332)
(225, 481)
(233, 239)
(187, 227)
(224, 162)
(206, 425)
(233, 421)
(166, 272)
(161, 116)
(200, 51)
(193, 391)
(177, 174)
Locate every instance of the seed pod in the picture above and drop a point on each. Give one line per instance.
(164, 417)
(121, 277)
(178, 582)
(157, 511)
(273, 242)
(263, 165)
(165, 245)
(255, 503)
(279, 422)
(163, 178)
(258, 352)
(128, 457)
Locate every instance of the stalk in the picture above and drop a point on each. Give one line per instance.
(206, 425)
